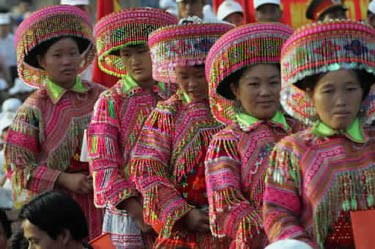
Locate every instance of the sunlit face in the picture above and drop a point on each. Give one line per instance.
(337, 97)
(268, 13)
(188, 8)
(39, 239)
(192, 80)
(235, 18)
(137, 61)
(258, 90)
(62, 62)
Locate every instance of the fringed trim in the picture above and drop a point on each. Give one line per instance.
(354, 190)
(104, 147)
(29, 121)
(141, 167)
(221, 202)
(191, 149)
(283, 166)
(153, 209)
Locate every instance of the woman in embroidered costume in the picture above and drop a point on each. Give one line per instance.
(119, 116)
(44, 142)
(317, 176)
(168, 160)
(244, 72)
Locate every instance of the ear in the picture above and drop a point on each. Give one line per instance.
(234, 89)
(65, 237)
(310, 93)
(41, 61)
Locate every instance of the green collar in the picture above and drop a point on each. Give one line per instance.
(354, 132)
(246, 121)
(186, 97)
(128, 84)
(56, 92)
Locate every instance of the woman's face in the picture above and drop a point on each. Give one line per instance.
(39, 239)
(61, 62)
(192, 80)
(337, 98)
(258, 90)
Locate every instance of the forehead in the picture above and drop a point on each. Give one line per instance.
(133, 48)
(32, 231)
(188, 69)
(268, 6)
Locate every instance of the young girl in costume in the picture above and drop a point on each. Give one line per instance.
(44, 141)
(318, 176)
(168, 161)
(121, 40)
(243, 67)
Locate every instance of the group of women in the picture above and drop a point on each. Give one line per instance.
(215, 137)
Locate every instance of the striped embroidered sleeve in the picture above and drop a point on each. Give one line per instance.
(150, 167)
(110, 185)
(230, 212)
(21, 153)
(282, 198)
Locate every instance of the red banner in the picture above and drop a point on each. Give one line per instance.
(103, 8)
(294, 10)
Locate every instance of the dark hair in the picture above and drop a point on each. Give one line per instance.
(365, 79)
(117, 51)
(53, 212)
(5, 223)
(234, 78)
(18, 241)
(41, 49)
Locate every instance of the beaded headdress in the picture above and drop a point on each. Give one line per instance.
(44, 25)
(247, 45)
(182, 45)
(320, 48)
(124, 28)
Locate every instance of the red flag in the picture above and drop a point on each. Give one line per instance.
(103, 8)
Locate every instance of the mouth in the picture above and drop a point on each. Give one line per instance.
(137, 70)
(266, 102)
(68, 71)
(341, 113)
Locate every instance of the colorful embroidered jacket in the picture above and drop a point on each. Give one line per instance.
(236, 164)
(315, 178)
(45, 139)
(168, 168)
(117, 121)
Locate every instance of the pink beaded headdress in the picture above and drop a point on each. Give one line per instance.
(182, 45)
(124, 28)
(247, 45)
(44, 25)
(320, 48)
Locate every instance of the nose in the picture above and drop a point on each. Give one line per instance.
(341, 99)
(135, 61)
(265, 90)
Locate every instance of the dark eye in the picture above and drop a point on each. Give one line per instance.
(253, 84)
(275, 83)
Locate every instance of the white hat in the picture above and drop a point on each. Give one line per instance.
(371, 7)
(75, 2)
(289, 244)
(258, 3)
(20, 87)
(166, 4)
(228, 7)
(6, 120)
(4, 18)
(11, 105)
